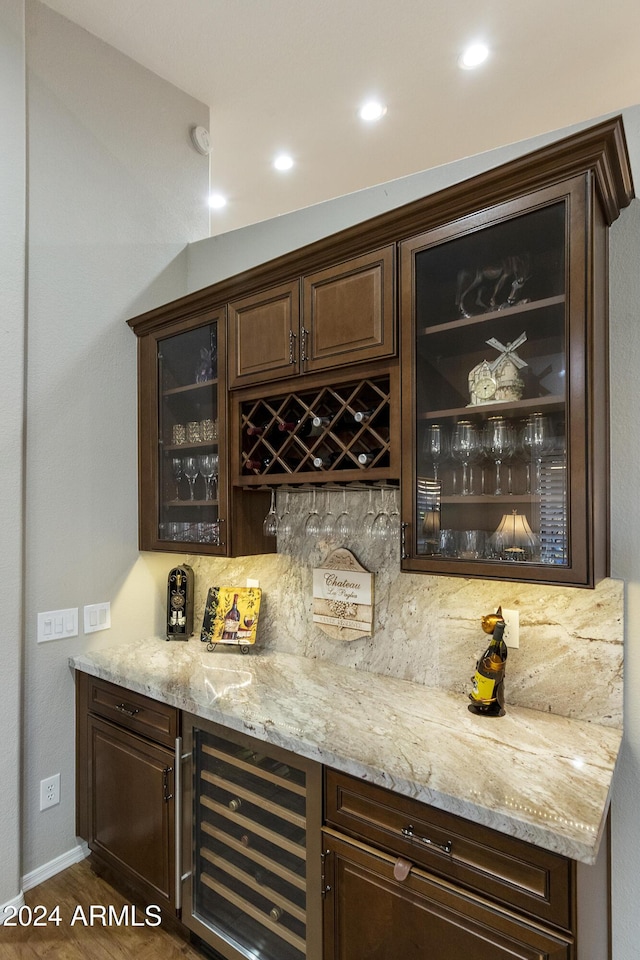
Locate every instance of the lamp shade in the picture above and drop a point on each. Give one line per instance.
(515, 538)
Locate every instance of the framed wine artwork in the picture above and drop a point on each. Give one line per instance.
(231, 617)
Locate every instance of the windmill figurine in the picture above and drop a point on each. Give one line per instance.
(498, 380)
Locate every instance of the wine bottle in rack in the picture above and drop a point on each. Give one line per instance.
(257, 466)
(380, 417)
(364, 459)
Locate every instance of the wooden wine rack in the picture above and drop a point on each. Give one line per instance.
(250, 847)
(278, 443)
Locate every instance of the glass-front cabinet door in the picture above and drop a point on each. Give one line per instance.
(184, 467)
(504, 353)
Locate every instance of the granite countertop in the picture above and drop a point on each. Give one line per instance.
(533, 775)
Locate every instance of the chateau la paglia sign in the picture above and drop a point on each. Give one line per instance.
(343, 597)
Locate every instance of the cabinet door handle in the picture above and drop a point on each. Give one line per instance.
(408, 833)
(292, 351)
(177, 823)
(403, 541)
(130, 711)
(303, 345)
(166, 796)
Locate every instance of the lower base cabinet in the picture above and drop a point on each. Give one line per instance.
(403, 879)
(375, 913)
(247, 856)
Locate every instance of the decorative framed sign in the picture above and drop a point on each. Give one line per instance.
(343, 597)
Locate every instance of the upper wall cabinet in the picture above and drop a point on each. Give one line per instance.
(505, 411)
(346, 316)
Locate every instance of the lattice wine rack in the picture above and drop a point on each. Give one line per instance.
(342, 430)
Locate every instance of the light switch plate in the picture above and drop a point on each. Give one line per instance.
(97, 616)
(511, 628)
(57, 624)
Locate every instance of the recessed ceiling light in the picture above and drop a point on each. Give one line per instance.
(372, 110)
(473, 56)
(217, 201)
(283, 162)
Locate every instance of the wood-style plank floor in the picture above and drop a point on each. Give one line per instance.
(77, 887)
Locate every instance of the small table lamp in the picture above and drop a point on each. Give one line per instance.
(515, 536)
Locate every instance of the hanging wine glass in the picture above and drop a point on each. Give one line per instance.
(465, 444)
(270, 522)
(536, 441)
(381, 527)
(285, 524)
(344, 524)
(190, 467)
(499, 445)
(327, 522)
(312, 526)
(176, 471)
(434, 445)
(370, 516)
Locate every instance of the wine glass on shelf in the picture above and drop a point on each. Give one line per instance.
(434, 445)
(499, 445)
(344, 524)
(465, 444)
(536, 441)
(176, 471)
(369, 516)
(312, 526)
(191, 470)
(208, 463)
(327, 523)
(270, 522)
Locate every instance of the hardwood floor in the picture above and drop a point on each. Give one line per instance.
(74, 891)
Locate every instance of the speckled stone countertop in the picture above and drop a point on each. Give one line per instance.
(542, 778)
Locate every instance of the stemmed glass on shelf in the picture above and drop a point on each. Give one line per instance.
(434, 445)
(208, 463)
(465, 445)
(536, 441)
(176, 471)
(191, 470)
(499, 445)
(381, 526)
(327, 522)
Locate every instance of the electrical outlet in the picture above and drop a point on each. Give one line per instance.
(50, 791)
(511, 628)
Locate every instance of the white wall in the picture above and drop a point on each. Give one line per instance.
(12, 243)
(116, 191)
(226, 254)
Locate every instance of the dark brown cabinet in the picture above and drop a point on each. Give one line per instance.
(505, 414)
(404, 879)
(126, 786)
(347, 316)
(185, 498)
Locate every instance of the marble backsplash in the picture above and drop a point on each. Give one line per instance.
(427, 628)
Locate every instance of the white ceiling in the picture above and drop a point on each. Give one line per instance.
(290, 75)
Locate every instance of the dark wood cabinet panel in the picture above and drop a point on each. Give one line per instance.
(263, 336)
(511, 872)
(371, 913)
(132, 807)
(125, 796)
(348, 312)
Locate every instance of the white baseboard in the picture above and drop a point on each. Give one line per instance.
(11, 906)
(47, 870)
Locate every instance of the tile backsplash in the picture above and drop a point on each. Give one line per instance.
(427, 628)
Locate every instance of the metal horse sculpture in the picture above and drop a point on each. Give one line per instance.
(488, 282)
